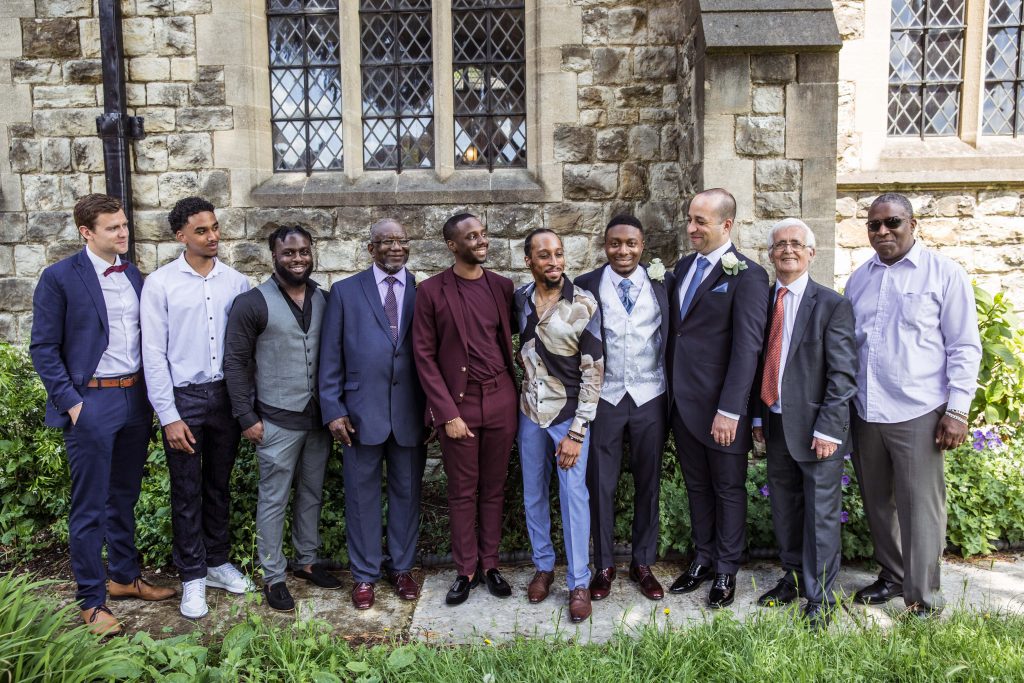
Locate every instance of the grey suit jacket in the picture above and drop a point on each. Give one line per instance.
(818, 381)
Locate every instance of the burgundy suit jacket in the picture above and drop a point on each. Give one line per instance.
(439, 340)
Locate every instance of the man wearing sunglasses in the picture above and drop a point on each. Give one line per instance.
(919, 353)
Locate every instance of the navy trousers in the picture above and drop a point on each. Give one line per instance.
(107, 450)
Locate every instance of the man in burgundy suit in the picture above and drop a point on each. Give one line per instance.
(462, 344)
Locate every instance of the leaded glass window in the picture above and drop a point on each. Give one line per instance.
(398, 84)
(1004, 96)
(489, 65)
(925, 67)
(305, 84)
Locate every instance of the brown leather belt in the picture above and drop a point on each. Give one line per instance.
(114, 382)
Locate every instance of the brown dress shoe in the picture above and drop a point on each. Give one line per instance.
(540, 586)
(579, 605)
(101, 621)
(140, 589)
(649, 585)
(601, 584)
(362, 595)
(405, 585)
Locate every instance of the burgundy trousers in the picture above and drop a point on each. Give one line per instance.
(476, 468)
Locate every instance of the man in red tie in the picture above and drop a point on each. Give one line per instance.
(801, 410)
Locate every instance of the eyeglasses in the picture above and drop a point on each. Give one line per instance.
(387, 244)
(892, 222)
(782, 246)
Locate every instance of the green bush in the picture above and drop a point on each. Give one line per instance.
(1000, 395)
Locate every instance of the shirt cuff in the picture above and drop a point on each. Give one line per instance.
(959, 400)
(168, 416)
(826, 437)
(248, 420)
(731, 416)
(756, 422)
(578, 426)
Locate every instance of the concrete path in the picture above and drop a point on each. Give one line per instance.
(996, 585)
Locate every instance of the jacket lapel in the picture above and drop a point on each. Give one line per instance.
(369, 283)
(450, 290)
(803, 316)
(408, 301)
(710, 281)
(92, 285)
(681, 269)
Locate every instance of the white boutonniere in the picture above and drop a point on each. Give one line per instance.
(419, 277)
(732, 265)
(656, 270)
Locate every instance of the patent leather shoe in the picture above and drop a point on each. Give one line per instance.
(649, 585)
(783, 594)
(601, 584)
(691, 579)
(723, 591)
(362, 595)
(496, 583)
(878, 593)
(459, 590)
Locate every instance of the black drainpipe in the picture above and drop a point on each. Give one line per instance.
(115, 127)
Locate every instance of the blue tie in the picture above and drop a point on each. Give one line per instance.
(627, 301)
(698, 275)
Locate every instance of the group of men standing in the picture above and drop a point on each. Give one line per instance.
(619, 356)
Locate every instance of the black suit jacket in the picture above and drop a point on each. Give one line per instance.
(819, 379)
(714, 351)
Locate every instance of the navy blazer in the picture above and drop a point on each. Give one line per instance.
(715, 349)
(363, 373)
(70, 331)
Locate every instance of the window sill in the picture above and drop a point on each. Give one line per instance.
(943, 163)
(410, 187)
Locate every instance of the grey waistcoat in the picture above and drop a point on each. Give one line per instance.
(286, 357)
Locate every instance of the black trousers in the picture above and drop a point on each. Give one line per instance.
(645, 428)
(200, 481)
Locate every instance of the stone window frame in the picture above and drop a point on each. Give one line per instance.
(968, 159)
(246, 149)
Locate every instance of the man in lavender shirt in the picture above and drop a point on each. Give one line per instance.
(919, 351)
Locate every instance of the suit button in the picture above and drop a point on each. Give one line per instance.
(461, 394)
(463, 368)
(395, 383)
(396, 355)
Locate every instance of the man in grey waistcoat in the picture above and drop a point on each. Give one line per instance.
(272, 347)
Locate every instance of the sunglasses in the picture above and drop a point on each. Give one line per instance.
(892, 223)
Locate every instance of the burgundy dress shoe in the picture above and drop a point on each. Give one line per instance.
(362, 595)
(579, 605)
(405, 585)
(644, 577)
(601, 584)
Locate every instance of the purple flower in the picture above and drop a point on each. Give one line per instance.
(978, 434)
(764, 491)
(979, 444)
(844, 516)
(848, 456)
(845, 480)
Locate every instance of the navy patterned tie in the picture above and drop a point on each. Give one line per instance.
(391, 306)
(698, 275)
(624, 295)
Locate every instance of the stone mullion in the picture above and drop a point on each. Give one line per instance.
(444, 90)
(351, 88)
(972, 90)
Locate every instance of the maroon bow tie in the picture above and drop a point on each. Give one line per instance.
(115, 269)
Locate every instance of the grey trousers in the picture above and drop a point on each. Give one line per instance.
(902, 481)
(288, 456)
(807, 500)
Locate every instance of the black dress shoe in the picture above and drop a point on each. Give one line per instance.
(691, 579)
(496, 584)
(818, 616)
(783, 594)
(723, 591)
(878, 593)
(459, 591)
(278, 597)
(922, 613)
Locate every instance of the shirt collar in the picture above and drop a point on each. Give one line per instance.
(797, 287)
(637, 277)
(716, 256)
(184, 267)
(912, 257)
(99, 264)
(379, 274)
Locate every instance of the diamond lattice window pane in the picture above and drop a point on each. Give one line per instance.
(904, 110)
(507, 36)
(380, 144)
(377, 39)
(470, 141)
(416, 137)
(376, 5)
(322, 40)
(325, 93)
(414, 4)
(1019, 125)
(414, 37)
(379, 91)
(322, 4)
(906, 57)
(469, 37)
(946, 13)
(998, 109)
(907, 13)
(470, 90)
(1004, 11)
(284, 5)
(325, 148)
(941, 109)
(942, 56)
(289, 141)
(415, 91)
(287, 47)
(508, 141)
(287, 93)
(508, 88)
(1002, 53)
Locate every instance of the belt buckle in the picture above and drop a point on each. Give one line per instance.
(122, 382)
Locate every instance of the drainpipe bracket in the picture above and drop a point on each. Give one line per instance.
(117, 125)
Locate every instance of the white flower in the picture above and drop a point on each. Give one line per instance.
(656, 270)
(731, 264)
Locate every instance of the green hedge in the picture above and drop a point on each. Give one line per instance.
(985, 499)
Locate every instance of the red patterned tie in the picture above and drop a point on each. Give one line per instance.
(772, 359)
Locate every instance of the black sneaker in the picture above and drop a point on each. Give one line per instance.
(278, 597)
(319, 577)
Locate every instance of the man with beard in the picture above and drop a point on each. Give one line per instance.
(563, 366)
(272, 347)
(462, 338)
(372, 403)
(184, 310)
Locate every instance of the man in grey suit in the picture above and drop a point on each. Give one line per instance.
(373, 404)
(801, 410)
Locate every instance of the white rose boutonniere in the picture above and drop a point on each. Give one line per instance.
(656, 270)
(732, 265)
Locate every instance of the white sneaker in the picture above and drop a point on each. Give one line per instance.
(227, 577)
(193, 599)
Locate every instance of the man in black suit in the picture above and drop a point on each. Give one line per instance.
(634, 401)
(801, 407)
(719, 305)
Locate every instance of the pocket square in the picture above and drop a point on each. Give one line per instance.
(722, 288)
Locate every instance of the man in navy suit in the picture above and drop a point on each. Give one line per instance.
(85, 347)
(719, 307)
(371, 400)
(634, 401)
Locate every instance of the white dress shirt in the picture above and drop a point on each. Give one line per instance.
(183, 319)
(790, 305)
(382, 288)
(917, 336)
(633, 362)
(123, 354)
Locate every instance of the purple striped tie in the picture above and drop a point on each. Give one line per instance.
(391, 306)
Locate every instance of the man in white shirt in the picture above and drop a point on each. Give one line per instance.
(919, 352)
(185, 307)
